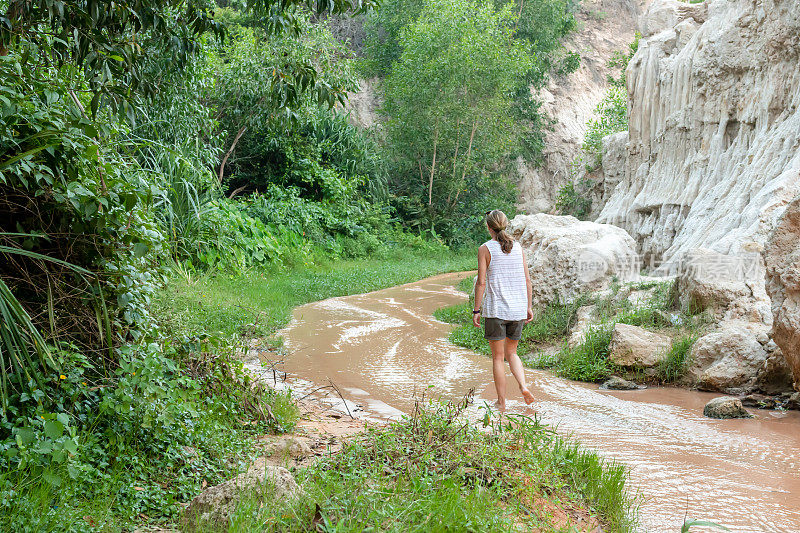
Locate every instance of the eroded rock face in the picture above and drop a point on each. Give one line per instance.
(782, 258)
(604, 27)
(632, 346)
(713, 152)
(215, 504)
(730, 286)
(567, 257)
(726, 407)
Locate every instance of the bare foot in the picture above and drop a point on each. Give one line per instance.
(501, 406)
(526, 394)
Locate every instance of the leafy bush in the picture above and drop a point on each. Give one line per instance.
(149, 435)
(574, 200)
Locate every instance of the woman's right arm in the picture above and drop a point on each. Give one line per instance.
(480, 285)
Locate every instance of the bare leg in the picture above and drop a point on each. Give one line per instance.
(499, 372)
(515, 363)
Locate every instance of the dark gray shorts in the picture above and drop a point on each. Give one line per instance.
(497, 329)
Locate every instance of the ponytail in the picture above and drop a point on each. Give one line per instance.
(497, 221)
(506, 241)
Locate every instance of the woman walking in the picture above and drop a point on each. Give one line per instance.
(504, 289)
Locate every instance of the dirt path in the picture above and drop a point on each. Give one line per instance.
(384, 348)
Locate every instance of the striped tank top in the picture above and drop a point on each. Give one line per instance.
(506, 295)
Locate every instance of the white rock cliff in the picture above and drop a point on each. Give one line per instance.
(713, 153)
(604, 27)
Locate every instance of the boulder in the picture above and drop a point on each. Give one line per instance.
(730, 358)
(730, 286)
(726, 407)
(216, 504)
(618, 383)
(782, 259)
(633, 346)
(568, 257)
(759, 401)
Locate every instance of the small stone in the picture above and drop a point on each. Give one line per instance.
(618, 383)
(726, 407)
(759, 401)
(289, 447)
(793, 402)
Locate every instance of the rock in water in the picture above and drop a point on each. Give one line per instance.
(633, 346)
(618, 383)
(782, 258)
(263, 481)
(730, 358)
(725, 407)
(568, 257)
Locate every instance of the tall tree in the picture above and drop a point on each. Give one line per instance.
(448, 98)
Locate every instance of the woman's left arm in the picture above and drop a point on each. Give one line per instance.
(529, 286)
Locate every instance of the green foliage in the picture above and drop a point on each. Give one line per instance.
(447, 101)
(611, 117)
(677, 359)
(574, 200)
(551, 322)
(434, 472)
(108, 41)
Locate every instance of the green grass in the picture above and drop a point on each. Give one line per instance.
(552, 322)
(677, 359)
(261, 302)
(587, 361)
(433, 471)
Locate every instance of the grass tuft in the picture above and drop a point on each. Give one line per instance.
(433, 471)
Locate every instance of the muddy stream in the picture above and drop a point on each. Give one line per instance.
(384, 347)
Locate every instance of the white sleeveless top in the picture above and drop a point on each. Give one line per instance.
(506, 295)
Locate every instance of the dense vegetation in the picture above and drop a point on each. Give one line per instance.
(163, 162)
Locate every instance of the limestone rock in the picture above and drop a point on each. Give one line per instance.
(633, 346)
(729, 359)
(713, 153)
(583, 319)
(604, 27)
(726, 407)
(730, 286)
(289, 447)
(216, 504)
(618, 383)
(782, 258)
(567, 257)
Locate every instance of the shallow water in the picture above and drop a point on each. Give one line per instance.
(384, 348)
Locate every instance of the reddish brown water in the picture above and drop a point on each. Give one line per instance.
(384, 347)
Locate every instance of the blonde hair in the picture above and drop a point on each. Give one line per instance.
(497, 221)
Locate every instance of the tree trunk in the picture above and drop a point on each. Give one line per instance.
(229, 152)
(433, 164)
(466, 162)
